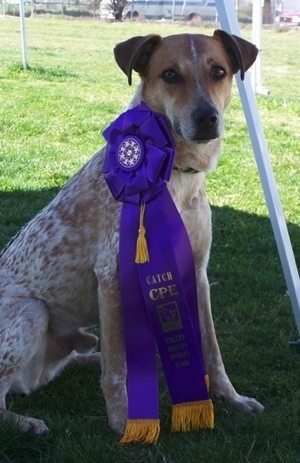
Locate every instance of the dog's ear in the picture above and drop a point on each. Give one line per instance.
(241, 53)
(135, 53)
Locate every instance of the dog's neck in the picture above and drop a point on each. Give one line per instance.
(196, 156)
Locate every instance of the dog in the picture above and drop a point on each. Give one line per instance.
(59, 275)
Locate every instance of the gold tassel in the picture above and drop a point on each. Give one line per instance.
(144, 431)
(192, 416)
(141, 255)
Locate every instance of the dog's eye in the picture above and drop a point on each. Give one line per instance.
(218, 73)
(171, 77)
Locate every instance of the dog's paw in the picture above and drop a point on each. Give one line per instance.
(224, 390)
(32, 425)
(92, 359)
(246, 404)
(117, 411)
(116, 424)
(85, 343)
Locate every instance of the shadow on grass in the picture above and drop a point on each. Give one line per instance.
(18, 207)
(244, 253)
(244, 268)
(244, 264)
(243, 244)
(254, 324)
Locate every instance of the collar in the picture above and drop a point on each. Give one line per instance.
(188, 170)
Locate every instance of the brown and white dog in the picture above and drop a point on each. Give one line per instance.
(59, 275)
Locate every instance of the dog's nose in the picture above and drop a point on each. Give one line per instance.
(205, 116)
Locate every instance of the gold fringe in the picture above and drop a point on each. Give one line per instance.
(144, 431)
(192, 416)
(141, 255)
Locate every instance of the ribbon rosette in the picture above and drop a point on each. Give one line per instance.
(139, 156)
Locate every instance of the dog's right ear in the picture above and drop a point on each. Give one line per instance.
(135, 53)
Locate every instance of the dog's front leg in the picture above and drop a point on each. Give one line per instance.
(219, 380)
(113, 372)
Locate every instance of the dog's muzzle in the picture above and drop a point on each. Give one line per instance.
(203, 126)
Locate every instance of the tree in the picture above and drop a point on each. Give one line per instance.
(117, 7)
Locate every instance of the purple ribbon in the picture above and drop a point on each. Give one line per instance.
(159, 297)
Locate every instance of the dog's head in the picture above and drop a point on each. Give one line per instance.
(187, 78)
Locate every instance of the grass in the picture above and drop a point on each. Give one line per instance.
(51, 119)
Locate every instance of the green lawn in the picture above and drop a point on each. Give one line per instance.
(51, 120)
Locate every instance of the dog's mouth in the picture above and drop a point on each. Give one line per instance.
(192, 134)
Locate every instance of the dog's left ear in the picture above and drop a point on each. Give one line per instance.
(135, 53)
(241, 53)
